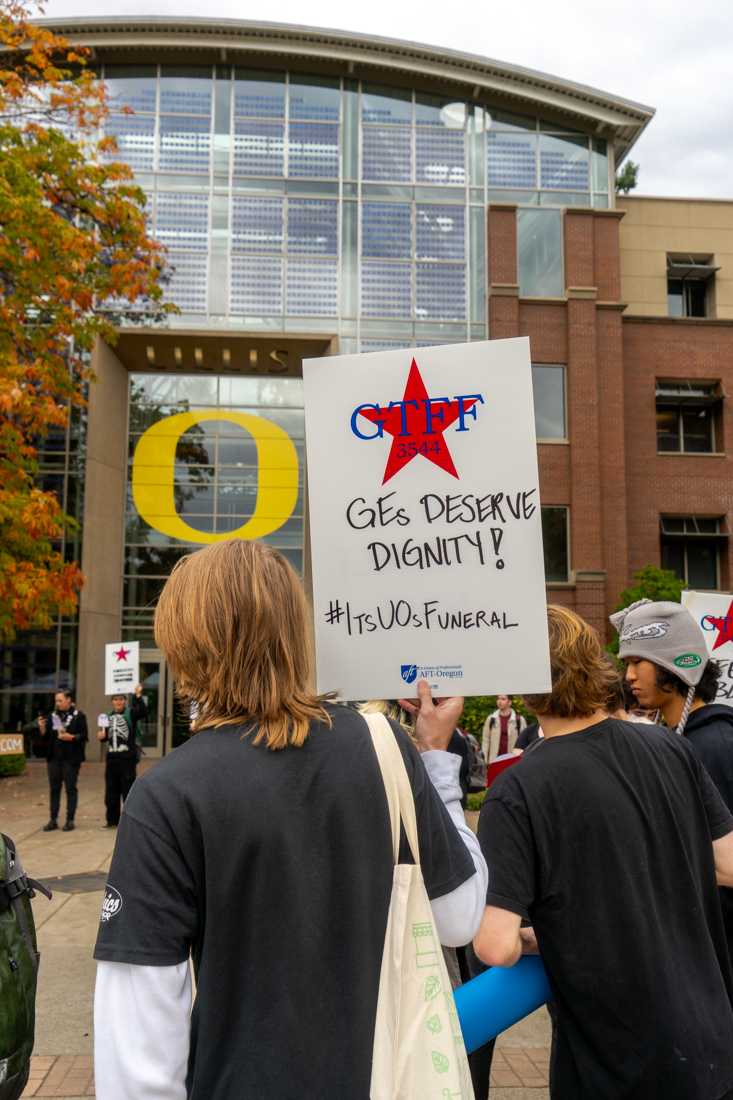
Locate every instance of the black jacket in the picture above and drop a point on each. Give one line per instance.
(74, 722)
(710, 732)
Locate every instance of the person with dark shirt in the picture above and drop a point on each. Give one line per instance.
(528, 736)
(118, 730)
(670, 672)
(64, 733)
(262, 849)
(608, 838)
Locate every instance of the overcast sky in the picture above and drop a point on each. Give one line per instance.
(672, 55)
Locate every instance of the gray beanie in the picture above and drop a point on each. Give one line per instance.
(664, 633)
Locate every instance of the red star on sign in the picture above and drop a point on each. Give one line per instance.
(417, 424)
(724, 626)
(122, 654)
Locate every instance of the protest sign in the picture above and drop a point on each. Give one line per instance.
(714, 612)
(425, 522)
(121, 667)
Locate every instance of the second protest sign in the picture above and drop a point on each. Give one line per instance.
(425, 521)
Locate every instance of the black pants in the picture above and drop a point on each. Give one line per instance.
(119, 776)
(63, 772)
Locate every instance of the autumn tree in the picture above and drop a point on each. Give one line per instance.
(75, 260)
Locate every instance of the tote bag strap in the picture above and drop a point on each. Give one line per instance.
(397, 785)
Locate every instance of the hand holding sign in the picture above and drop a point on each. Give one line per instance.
(436, 720)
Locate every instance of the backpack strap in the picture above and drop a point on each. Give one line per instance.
(16, 881)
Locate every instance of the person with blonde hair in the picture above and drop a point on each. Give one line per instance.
(608, 840)
(262, 850)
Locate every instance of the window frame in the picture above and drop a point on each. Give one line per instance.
(688, 536)
(691, 394)
(555, 439)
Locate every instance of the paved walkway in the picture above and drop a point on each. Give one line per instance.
(67, 928)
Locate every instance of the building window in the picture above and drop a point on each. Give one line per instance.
(540, 254)
(686, 416)
(555, 541)
(691, 548)
(548, 387)
(690, 286)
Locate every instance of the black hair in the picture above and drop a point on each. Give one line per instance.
(65, 692)
(706, 689)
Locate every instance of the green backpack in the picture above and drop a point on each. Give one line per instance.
(18, 971)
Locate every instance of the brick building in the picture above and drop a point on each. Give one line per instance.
(321, 191)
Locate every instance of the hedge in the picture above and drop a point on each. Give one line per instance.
(13, 764)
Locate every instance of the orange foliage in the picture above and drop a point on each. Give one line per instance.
(75, 261)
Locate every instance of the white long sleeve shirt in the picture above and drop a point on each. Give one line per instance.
(159, 998)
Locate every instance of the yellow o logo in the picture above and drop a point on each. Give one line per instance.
(153, 476)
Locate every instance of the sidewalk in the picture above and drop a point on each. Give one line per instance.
(75, 865)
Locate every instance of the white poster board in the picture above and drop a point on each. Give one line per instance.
(425, 522)
(714, 612)
(121, 667)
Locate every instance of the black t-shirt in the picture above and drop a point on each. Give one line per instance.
(602, 839)
(274, 869)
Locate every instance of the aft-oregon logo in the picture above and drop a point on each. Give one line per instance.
(688, 660)
(111, 905)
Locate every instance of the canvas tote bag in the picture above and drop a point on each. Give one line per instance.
(418, 1047)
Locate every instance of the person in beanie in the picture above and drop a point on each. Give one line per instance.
(668, 669)
(608, 838)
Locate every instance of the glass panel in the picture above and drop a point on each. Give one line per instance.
(697, 430)
(313, 150)
(441, 292)
(695, 298)
(315, 98)
(349, 260)
(256, 285)
(511, 160)
(668, 429)
(183, 220)
(386, 289)
(502, 120)
(707, 524)
(564, 163)
(187, 287)
(186, 90)
(259, 94)
(673, 557)
(540, 253)
(521, 198)
(674, 298)
(386, 229)
(185, 144)
(312, 227)
(257, 224)
(601, 202)
(564, 198)
(702, 563)
(250, 391)
(350, 138)
(555, 542)
(387, 154)
(259, 148)
(384, 105)
(440, 156)
(131, 86)
(478, 265)
(135, 137)
(548, 385)
(440, 232)
(600, 165)
(312, 288)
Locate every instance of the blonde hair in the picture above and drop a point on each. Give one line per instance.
(232, 622)
(393, 710)
(582, 675)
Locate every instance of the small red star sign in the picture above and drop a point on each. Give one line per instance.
(724, 626)
(122, 654)
(416, 425)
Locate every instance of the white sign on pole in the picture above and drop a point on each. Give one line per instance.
(714, 612)
(425, 523)
(121, 667)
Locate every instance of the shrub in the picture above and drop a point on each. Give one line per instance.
(13, 764)
(475, 800)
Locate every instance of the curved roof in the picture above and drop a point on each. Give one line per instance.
(368, 57)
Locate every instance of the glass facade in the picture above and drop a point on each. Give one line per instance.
(197, 476)
(292, 203)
